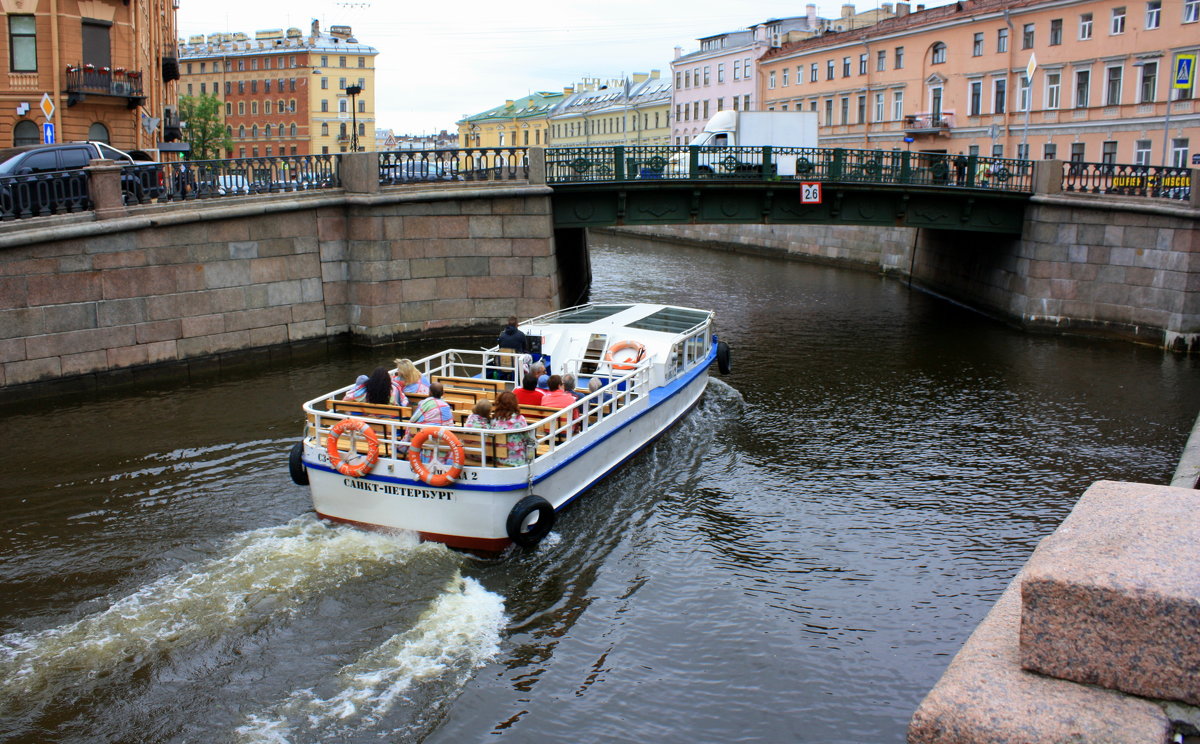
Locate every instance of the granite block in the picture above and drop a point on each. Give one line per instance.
(985, 697)
(1112, 597)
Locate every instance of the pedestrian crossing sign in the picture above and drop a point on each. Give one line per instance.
(1185, 71)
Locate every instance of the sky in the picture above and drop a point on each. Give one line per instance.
(438, 62)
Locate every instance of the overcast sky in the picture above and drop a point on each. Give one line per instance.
(439, 61)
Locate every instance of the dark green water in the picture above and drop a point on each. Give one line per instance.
(796, 561)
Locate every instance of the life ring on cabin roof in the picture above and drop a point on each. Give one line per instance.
(353, 465)
(457, 456)
(622, 346)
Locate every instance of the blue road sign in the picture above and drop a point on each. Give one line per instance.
(1185, 71)
(48, 133)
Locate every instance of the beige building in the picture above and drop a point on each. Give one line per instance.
(635, 112)
(106, 69)
(953, 79)
(287, 93)
(523, 122)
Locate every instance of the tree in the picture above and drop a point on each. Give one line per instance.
(203, 127)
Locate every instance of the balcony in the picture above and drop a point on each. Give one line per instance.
(170, 63)
(114, 82)
(918, 124)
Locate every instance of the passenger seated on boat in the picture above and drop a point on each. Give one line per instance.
(412, 381)
(506, 416)
(557, 397)
(569, 385)
(528, 394)
(381, 388)
(481, 416)
(359, 391)
(433, 410)
(544, 384)
(537, 369)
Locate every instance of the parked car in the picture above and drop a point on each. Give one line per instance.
(44, 179)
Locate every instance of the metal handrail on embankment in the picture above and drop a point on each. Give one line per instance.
(456, 164)
(1117, 179)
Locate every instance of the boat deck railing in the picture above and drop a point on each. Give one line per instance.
(549, 429)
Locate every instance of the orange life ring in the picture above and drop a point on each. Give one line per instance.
(361, 465)
(622, 346)
(457, 456)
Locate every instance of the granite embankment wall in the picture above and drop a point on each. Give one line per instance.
(177, 283)
(1127, 269)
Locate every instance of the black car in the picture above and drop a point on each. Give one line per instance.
(49, 179)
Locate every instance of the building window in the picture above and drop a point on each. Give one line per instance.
(22, 43)
(771, 80)
(341, 61)
(997, 151)
(1085, 26)
(1049, 151)
(254, 108)
(241, 65)
(189, 89)
(1083, 80)
(292, 130)
(1141, 152)
(1053, 89)
(746, 102)
(897, 105)
(845, 67)
(720, 107)
(898, 64)
(1027, 36)
(880, 110)
(977, 45)
(1002, 40)
(324, 129)
(1056, 32)
(1179, 152)
(228, 109)
(829, 112)
(342, 106)
(267, 107)
(266, 130)
(706, 69)
(341, 83)
(705, 112)
(735, 103)
(785, 77)
(1024, 88)
(1022, 152)
(324, 105)
(241, 108)
(862, 64)
(291, 85)
(228, 87)
(720, 73)
(862, 110)
(241, 87)
(254, 132)
(242, 131)
(1191, 11)
(678, 80)
(1108, 152)
(1118, 22)
(976, 98)
(362, 61)
(362, 107)
(813, 72)
(1153, 14)
(1000, 87)
(829, 69)
(939, 54)
(881, 60)
(737, 69)
(1112, 88)
(1149, 81)
(266, 86)
(324, 60)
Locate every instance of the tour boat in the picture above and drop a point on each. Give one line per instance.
(368, 465)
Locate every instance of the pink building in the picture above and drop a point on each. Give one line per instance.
(722, 74)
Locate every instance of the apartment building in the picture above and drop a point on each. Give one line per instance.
(284, 92)
(521, 122)
(106, 72)
(635, 111)
(1087, 80)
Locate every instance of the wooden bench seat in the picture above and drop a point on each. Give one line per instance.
(491, 387)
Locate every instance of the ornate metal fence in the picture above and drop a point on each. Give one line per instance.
(900, 167)
(205, 179)
(1151, 181)
(39, 194)
(467, 164)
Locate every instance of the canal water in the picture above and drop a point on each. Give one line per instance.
(798, 560)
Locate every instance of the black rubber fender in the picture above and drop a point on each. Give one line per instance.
(296, 465)
(527, 536)
(724, 361)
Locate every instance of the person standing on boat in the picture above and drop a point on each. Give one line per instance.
(506, 416)
(512, 338)
(528, 394)
(433, 410)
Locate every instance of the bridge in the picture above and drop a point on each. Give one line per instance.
(119, 267)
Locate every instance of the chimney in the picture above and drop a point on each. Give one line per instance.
(568, 90)
(655, 74)
(920, 7)
(508, 103)
(811, 16)
(640, 77)
(887, 9)
(847, 10)
(678, 52)
(901, 9)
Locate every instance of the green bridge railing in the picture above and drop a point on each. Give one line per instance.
(748, 164)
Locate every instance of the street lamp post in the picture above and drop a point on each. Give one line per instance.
(352, 91)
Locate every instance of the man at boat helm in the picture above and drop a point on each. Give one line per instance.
(512, 337)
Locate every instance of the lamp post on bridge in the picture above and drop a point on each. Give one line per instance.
(353, 91)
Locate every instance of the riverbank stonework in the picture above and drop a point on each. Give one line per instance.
(175, 283)
(1099, 266)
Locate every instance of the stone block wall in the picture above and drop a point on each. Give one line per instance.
(196, 280)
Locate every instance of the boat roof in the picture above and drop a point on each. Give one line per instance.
(669, 319)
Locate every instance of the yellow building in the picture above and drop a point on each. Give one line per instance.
(285, 93)
(628, 112)
(523, 122)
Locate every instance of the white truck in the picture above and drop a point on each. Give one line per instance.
(750, 129)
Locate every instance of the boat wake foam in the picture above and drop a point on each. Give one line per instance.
(459, 632)
(262, 573)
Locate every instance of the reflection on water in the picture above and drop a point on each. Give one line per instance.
(796, 560)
